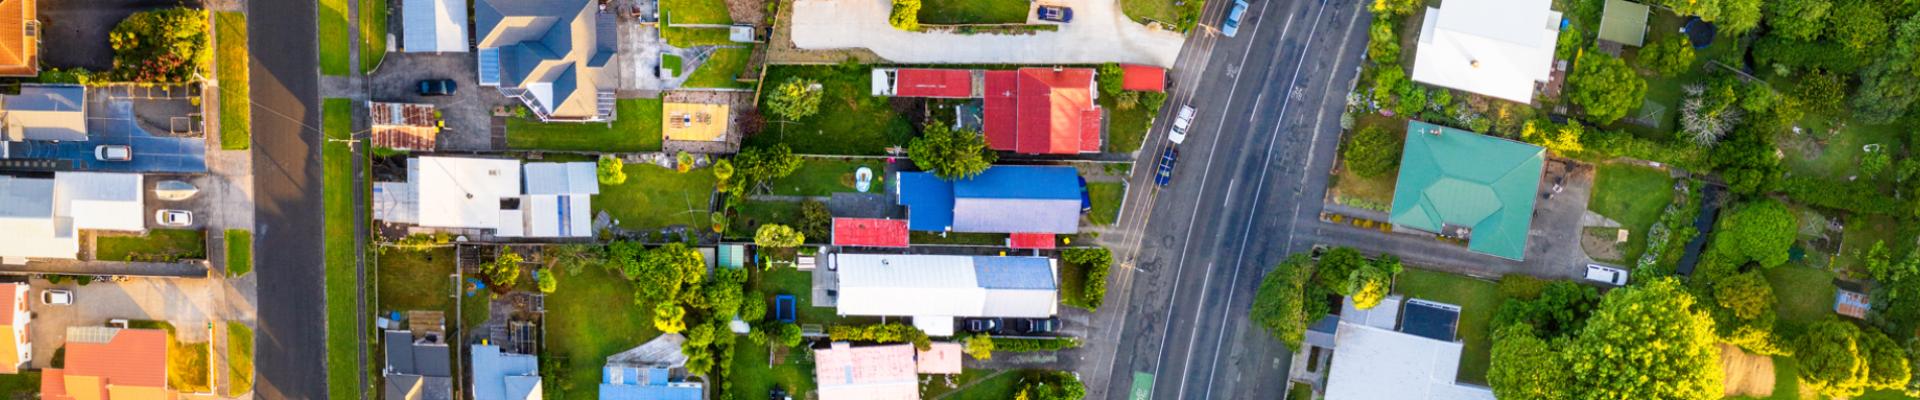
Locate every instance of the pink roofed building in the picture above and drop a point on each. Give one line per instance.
(885, 372)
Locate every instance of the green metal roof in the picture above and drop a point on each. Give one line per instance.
(1454, 177)
(1624, 22)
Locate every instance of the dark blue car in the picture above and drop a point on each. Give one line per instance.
(1166, 166)
(1086, 199)
(1056, 14)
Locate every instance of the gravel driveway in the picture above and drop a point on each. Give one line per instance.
(1099, 33)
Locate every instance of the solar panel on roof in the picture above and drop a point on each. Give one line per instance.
(1430, 320)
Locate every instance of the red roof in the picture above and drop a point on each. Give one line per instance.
(1042, 111)
(130, 358)
(1043, 241)
(870, 232)
(947, 83)
(1001, 111)
(1143, 78)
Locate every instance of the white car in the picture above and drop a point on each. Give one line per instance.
(113, 152)
(174, 218)
(56, 297)
(1605, 274)
(1181, 122)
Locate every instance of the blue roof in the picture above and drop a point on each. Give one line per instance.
(1013, 272)
(929, 201)
(654, 388)
(1021, 182)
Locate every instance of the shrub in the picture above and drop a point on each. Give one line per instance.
(1098, 262)
(1371, 152)
(168, 45)
(504, 271)
(798, 98)
(1032, 345)
(980, 346)
(881, 333)
(611, 170)
(777, 236)
(906, 15)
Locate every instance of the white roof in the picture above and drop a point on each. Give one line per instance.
(562, 178)
(463, 192)
(96, 200)
(550, 216)
(434, 26)
(941, 286)
(1372, 363)
(1497, 48)
(934, 325)
(41, 217)
(1384, 315)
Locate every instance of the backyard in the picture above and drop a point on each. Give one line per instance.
(1634, 196)
(686, 37)
(635, 128)
(343, 380)
(592, 316)
(722, 69)
(236, 107)
(1478, 299)
(822, 176)
(976, 384)
(333, 37)
(239, 252)
(239, 359)
(415, 280)
(754, 213)
(850, 120)
(696, 11)
(655, 197)
(753, 374)
(973, 11)
(157, 245)
(1106, 202)
(1802, 294)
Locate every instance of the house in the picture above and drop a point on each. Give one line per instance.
(1498, 48)
(884, 372)
(433, 26)
(1145, 78)
(934, 289)
(1851, 303)
(1042, 111)
(1396, 352)
(43, 216)
(929, 83)
(16, 349)
(650, 371)
(43, 112)
(1003, 199)
(554, 55)
(503, 376)
(417, 368)
(106, 363)
(403, 126)
(489, 194)
(1466, 185)
(869, 232)
(20, 44)
(1624, 22)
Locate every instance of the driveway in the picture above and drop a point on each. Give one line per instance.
(74, 32)
(468, 112)
(1099, 33)
(187, 303)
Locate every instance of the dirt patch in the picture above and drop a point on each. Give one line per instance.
(1747, 374)
(1601, 243)
(751, 12)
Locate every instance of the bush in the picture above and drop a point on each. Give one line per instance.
(1032, 345)
(1856, 196)
(168, 45)
(1668, 57)
(790, 335)
(504, 271)
(881, 333)
(980, 346)
(1605, 87)
(1833, 57)
(906, 15)
(1383, 46)
(777, 236)
(611, 170)
(1097, 261)
(1371, 152)
(798, 98)
(951, 153)
(1109, 79)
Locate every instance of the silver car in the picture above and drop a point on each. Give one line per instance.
(1181, 122)
(1605, 274)
(173, 218)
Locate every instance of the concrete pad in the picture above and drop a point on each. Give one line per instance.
(1099, 33)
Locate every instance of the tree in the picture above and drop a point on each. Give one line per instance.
(1746, 160)
(1890, 84)
(1052, 385)
(1645, 342)
(951, 153)
(1561, 310)
(1368, 286)
(722, 172)
(1563, 139)
(1738, 16)
(1371, 152)
(754, 308)
(1705, 9)
(669, 317)
(1668, 57)
(799, 98)
(1279, 306)
(1747, 295)
(790, 335)
(660, 273)
(1829, 352)
(1821, 92)
(1858, 24)
(1383, 46)
(755, 166)
(1605, 87)
(1097, 261)
(611, 170)
(725, 296)
(1761, 231)
(980, 346)
(815, 219)
(166, 45)
(777, 236)
(1110, 79)
(1873, 162)
(1709, 111)
(906, 15)
(1888, 366)
(1524, 367)
(1395, 7)
(1336, 268)
(504, 271)
(547, 282)
(1797, 19)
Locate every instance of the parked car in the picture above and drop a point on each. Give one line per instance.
(176, 218)
(438, 87)
(113, 152)
(1232, 25)
(1036, 326)
(1166, 166)
(56, 297)
(1056, 14)
(1605, 274)
(1086, 198)
(1181, 122)
(983, 325)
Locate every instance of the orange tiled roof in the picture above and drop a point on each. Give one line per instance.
(128, 364)
(19, 53)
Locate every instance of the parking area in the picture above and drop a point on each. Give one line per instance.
(468, 112)
(198, 205)
(187, 303)
(160, 126)
(75, 31)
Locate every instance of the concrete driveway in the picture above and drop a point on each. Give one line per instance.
(188, 303)
(1099, 33)
(468, 112)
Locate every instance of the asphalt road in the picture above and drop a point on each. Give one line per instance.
(286, 158)
(1251, 175)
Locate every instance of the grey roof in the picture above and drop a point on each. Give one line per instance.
(562, 178)
(500, 376)
(1013, 272)
(399, 346)
(46, 112)
(555, 42)
(26, 197)
(410, 357)
(434, 26)
(415, 387)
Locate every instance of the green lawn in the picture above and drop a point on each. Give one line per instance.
(1839, 158)
(1106, 201)
(1478, 301)
(373, 33)
(671, 63)
(239, 252)
(973, 11)
(752, 373)
(824, 176)
(159, 245)
(997, 385)
(1126, 129)
(1073, 282)
(1801, 294)
(696, 11)
(635, 128)
(25, 383)
(236, 109)
(343, 381)
(799, 284)
(683, 37)
(473, 309)
(752, 214)
(416, 280)
(1300, 392)
(1634, 196)
(1861, 232)
(187, 369)
(333, 37)
(593, 316)
(721, 69)
(982, 239)
(1167, 12)
(239, 358)
(655, 197)
(850, 121)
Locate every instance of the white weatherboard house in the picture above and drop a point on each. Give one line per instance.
(482, 193)
(42, 217)
(1497, 48)
(933, 289)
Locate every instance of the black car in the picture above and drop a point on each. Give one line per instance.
(438, 87)
(983, 325)
(1056, 14)
(1086, 199)
(1036, 326)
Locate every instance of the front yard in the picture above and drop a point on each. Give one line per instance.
(343, 344)
(1126, 129)
(654, 197)
(1370, 193)
(1106, 202)
(236, 106)
(592, 316)
(157, 245)
(239, 252)
(416, 280)
(635, 128)
(825, 176)
(239, 358)
(850, 121)
(973, 11)
(1177, 13)
(1634, 196)
(187, 369)
(1479, 300)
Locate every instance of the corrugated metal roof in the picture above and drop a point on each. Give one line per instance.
(1143, 78)
(492, 371)
(1031, 240)
(945, 286)
(1014, 272)
(869, 232)
(562, 178)
(102, 357)
(885, 372)
(1455, 177)
(1001, 111)
(1051, 110)
(929, 201)
(1373, 363)
(434, 26)
(1003, 199)
(939, 83)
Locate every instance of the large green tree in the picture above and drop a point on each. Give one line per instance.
(1525, 367)
(1797, 19)
(1372, 151)
(797, 98)
(1889, 85)
(1746, 160)
(1858, 24)
(1645, 342)
(1605, 87)
(1560, 310)
(951, 153)
(166, 45)
(1830, 358)
(755, 166)
(1279, 306)
(1747, 295)
(1669, 57)
(1760, 231)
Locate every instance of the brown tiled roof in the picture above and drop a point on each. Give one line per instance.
(19, 53)
(131, 364)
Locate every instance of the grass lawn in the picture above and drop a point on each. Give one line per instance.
(236, 110)
(1126, 129)
(1167, 12)
(635, 128)
(373, 33)
(721, 69)
(696, 11)
(1801, 294)
(186, 362)
(973, 11)
(591, 317)
(655, 197)
(799, 284)
(26, 383)
(683, 37)
(1300, 392)
(850, 120)
(239, 252)
(1862, 231)
(1106, 201)
(473, 309)
(671, 63)
(239, 358)
(1634, 196)
(416, 280)
(824, 176)
(1478, 301)
(984, 384)
(752, 214)
(333, 38)
(163, 245)
(1839, 158)
(1073, 282)
(983, 239)
(753, 374)
(343, 341)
